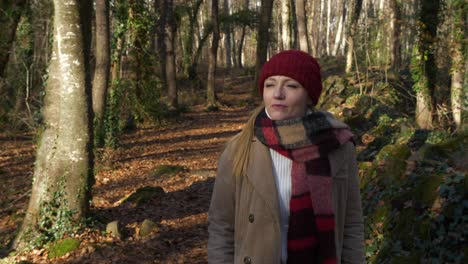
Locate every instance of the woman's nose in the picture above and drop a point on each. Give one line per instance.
(279, 92)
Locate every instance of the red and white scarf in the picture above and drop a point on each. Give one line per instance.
(307, 141)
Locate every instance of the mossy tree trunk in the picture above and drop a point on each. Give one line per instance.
(10, 15)
(101, 72)
(424, 68)
(210, 90)
(63, 168)
(459, 65)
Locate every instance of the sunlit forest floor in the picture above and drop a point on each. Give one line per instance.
(192, 141)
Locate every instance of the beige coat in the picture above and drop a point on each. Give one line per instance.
(244, 212)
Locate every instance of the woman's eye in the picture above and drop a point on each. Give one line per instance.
(291, 85)
(269, 85)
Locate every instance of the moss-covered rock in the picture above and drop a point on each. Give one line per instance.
(166, 170)
(426, 190)
(392, 161)
(147, 227)
(447, 148)
(144, 194)
(62, 247)
(366, 172)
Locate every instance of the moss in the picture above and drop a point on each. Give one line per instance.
(164, 170)
(446, 148)
(425, 191)
(404, 228)
(424, 229)
(62, 247)
(144, 194)
(392, 161)
(366, 173)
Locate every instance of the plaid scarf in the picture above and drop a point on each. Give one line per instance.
(307, 141)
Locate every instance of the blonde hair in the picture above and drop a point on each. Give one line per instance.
(243, 143)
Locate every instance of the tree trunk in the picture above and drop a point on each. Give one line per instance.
(395, 28)
(339, 32)
(101, 72)
(302, 25)
(170, 56)
(285, 28)
(459, 92)
(189, 38)
(242, 39)
(294, 30)
(425, 70)
(210, 90)
(9, 18)
(63, 168)
(227, 39)
(327, 35)
(263, 37)
(357, 5)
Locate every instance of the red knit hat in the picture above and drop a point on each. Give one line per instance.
(298, 65)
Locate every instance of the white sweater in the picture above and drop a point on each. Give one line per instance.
(282, 173)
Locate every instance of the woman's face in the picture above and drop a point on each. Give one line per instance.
(284, 97)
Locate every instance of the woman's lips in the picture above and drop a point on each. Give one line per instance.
(278, 107)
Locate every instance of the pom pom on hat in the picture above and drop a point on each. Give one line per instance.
(297, 65)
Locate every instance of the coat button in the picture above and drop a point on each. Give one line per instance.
(247, 260)
(251, 218)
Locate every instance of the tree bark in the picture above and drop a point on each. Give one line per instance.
(339, 33)
(285, 28)
(356, 6)
(263, 37)
(302, 25)
(170, 56)
(63, 168)
(210, 90)
(242, 39)
(10, 15)
(227, 39)
(395, 28)
(458, 90)
(101, 71)
(425, 69)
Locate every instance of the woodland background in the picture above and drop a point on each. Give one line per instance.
(116, 112)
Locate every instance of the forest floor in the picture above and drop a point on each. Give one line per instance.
(193, 141)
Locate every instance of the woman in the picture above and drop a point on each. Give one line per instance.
(287, 189)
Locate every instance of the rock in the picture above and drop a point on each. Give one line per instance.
(114, 229)
(166, 170)
(63, 247)
(144, 194)
(392, 161)
(147, 227)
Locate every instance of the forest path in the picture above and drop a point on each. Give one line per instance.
(194, 141)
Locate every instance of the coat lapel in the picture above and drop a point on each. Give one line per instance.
(260, 174)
